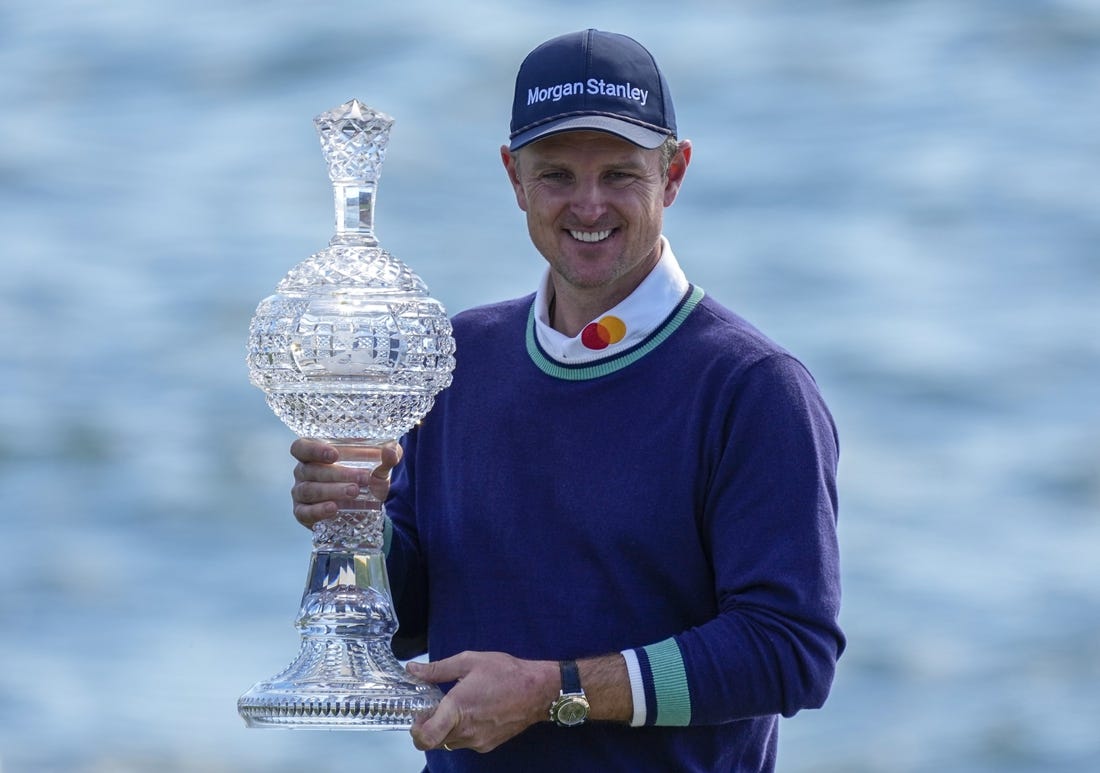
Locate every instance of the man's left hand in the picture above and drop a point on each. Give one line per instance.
(496, 697)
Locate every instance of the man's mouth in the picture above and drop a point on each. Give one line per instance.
(591, 236)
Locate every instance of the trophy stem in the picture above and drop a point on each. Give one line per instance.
(345, 676)
(354, 204)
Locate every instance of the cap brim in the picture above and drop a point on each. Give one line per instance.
(631, 132)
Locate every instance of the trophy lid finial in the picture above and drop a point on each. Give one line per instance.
(353, 139)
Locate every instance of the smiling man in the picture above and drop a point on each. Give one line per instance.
(615, 533)
(594, 205)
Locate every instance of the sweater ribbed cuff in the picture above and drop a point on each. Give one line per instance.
(668, 699)
(637, 688)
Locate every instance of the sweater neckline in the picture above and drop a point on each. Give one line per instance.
(616, 362)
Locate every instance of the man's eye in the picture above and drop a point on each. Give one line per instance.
(554, 176)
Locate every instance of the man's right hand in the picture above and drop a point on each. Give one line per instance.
(321, 484)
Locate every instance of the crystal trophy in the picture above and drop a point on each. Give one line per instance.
(353, 350)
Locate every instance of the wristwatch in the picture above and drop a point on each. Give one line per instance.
(571, 707)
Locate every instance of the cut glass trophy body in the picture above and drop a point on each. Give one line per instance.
(353, 350)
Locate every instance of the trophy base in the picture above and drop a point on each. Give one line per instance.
(337, 684)
(346, 676)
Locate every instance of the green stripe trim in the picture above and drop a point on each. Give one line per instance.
(387, 535)
(612, 364)
(669, 683)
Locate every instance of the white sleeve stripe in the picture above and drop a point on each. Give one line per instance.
(637, 689)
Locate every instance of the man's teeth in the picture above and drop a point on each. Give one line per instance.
(591, 236)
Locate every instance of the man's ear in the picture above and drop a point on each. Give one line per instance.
(677, 168)
(511, 166)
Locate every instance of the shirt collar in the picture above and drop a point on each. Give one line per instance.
(621, 327)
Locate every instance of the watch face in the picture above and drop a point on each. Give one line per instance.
(572, 711)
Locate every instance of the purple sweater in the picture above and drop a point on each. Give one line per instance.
(678, 499)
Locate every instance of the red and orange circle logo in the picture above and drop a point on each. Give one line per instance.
(604, 332)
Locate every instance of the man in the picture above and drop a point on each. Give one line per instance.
(616, 528)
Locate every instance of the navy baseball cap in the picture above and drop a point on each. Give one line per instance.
(599, 81)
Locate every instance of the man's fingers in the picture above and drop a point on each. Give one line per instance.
(310, 450)
(326, 473)
(391, 455)
(311, 493)
(431, 732)
(445, 670)
(379, 479)
(309, 515)
(323, 485)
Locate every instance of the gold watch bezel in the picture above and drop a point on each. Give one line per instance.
(570, 709)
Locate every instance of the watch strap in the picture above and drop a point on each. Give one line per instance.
(571, 707)
(570, 677)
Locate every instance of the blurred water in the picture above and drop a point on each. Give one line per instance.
(904, 193)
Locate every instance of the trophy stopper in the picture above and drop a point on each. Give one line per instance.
(354, 139)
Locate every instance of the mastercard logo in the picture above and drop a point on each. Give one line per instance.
(604, 332)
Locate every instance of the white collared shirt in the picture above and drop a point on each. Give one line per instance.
(619, 328)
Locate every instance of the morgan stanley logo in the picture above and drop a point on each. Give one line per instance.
(591, 86)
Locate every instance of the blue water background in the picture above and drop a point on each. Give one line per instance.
(906, 194)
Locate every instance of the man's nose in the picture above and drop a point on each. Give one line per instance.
(589, 201)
